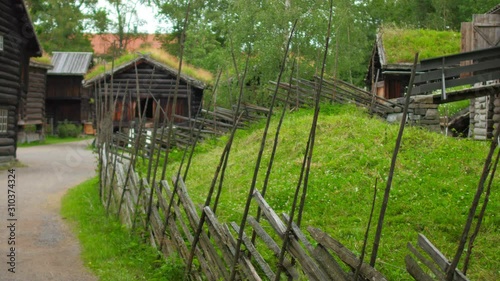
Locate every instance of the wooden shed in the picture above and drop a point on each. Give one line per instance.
(156, 80)
(18, 42)
(32, 107)
(66, 99)
(393, 55)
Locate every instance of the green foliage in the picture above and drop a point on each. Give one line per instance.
(401, 44)
(109, 249)
(436, 178)
(64, 25)
(429, 14)
(67, 129)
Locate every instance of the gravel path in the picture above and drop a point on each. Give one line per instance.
(45, 247)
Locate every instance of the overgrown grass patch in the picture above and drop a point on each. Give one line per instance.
(401, 44)
(435, 181)
(108, 248)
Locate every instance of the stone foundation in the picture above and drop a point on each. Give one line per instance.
(421, 112)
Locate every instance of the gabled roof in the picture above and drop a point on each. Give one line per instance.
(28, 28)
(70, 63)
(140, 60)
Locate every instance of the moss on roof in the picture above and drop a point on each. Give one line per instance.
(400, 44)
(158, 55)
(44, 59)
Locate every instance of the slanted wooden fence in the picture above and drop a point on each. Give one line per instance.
(166, 211)
(303, 92)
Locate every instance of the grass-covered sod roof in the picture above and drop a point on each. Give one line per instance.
(158, 55)
(434, 184)
(400, 45)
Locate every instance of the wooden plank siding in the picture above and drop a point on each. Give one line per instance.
(19, 44)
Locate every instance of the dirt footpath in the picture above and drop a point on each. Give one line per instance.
(45, 247)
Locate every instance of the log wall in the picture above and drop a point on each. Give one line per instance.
(150, 82)
(13, 60)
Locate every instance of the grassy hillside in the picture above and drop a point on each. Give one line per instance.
(435, 180)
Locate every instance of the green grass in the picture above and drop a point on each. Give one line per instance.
(108, 248)
(452, 108)
(435, 180)
(54, 140)
(158, 55)
(400, 44)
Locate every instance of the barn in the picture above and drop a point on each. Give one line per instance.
(156, 80)
(66, 99)
(18, 43)
(393, 53)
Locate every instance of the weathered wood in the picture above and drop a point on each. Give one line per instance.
(211, 272)
(299, 234)
(329, 264)
(255, 254)
(6, 142)
(345, 255)
(425, 261)
(269, 213)
(7, 150)
(438, 257)
(415, 271)
(310, 267)
(193, 219)
(226, 245)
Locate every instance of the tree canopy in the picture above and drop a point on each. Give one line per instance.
(220, 34)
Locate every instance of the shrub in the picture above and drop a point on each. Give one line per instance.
(67, 129)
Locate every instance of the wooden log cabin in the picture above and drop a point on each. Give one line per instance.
(66, 99)
(156, 81)
(18, 42)
(393, 55)
(32, 108)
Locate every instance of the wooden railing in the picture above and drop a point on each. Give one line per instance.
(456, 70)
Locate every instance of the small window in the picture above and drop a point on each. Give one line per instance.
(4, 117)
(1, 43)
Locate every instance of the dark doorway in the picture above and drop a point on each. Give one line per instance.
(149, 105)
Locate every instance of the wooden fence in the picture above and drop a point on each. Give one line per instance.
(302, 93)
(171, 219)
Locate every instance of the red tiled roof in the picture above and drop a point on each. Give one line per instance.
(102, 42)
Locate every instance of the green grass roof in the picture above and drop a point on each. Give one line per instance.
(45, 59)
(158, 55)
(400, 44)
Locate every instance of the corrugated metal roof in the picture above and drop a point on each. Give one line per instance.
(70, 63)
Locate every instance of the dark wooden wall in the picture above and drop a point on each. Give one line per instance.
(13, 75)
(160, 83)
(64, 87)
(395, 85)
(34, 104)
(65, 99)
